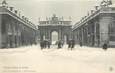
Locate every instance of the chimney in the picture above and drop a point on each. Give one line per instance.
(22, 16)
(16, 11)
(27, 20)
(92, 11)
(88, 13)
(96, 7)
(82, 18)
(11, 8)
(19, 13)
(46, 18)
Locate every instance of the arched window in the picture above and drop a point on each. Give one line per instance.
(54, 37)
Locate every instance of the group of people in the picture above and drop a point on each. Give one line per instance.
(105, 46)
(45, 44)
(71, 44)
(60, 44)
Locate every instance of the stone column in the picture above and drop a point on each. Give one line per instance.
(41, 34)
(19, 34)
(46, 31)
(75, 37)
(86, 31)
(0, 31)
(95, 35)
(13, 35)
(88, 34)
(85, 35)
(78, 35)
(59, 35)
(49, 35)
(82, 37)
(104, 22)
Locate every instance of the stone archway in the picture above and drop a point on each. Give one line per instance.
(54, 37)
(61, 27)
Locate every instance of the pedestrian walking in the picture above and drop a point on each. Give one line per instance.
(105, 46)
(69, 44)
(80, 44)
(49, 43)
(41, 44)
(59, 44)
(45, 43)
(72, 44)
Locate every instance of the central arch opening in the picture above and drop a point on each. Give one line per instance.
(65, 39)
(54, 37)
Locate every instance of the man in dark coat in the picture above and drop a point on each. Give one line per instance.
(69, 44)
(49, 43)
(72, 44)
(80, 43)
(59, 44)
(105, 46)
(42, 44)
(45, 43)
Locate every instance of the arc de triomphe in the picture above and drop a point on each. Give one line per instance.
(55, 24)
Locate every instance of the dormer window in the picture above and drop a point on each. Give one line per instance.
(4, 3)
(16, 11)
(11, 8)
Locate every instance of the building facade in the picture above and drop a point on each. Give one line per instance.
(62, 27)
(97, 28)
(15, 30)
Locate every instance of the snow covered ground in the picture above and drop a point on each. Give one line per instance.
(80, 60)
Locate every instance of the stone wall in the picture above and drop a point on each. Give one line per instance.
(0, 31)
(105, 21)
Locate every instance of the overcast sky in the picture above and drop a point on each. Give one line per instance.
(33, 9)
